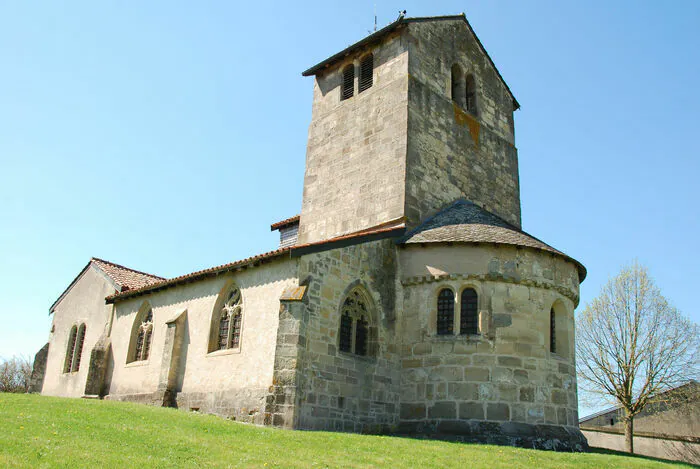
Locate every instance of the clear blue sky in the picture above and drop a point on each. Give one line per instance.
(168, 135)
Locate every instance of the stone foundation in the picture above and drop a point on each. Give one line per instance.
(523, 435)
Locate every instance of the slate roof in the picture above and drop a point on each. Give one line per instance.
(401, 21)
(466, 222)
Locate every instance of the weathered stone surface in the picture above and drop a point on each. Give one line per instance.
(443, 410)
(39, 369)
(497, 412)
(471, 410)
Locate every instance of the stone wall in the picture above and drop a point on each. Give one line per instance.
(83, 303)
(503, 385)
(452, 153)
(355, 158)
(180, 369)
(343, 391)
(675, 417)
(655, 447)
(36, 381)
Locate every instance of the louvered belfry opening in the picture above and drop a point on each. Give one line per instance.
(348, 89)
(471, 94)
(469, 313)
(445, 312)
(552, 332)
(366, 72)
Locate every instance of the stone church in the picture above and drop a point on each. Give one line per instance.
(405, 298)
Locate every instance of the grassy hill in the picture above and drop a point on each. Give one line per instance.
(38, 431)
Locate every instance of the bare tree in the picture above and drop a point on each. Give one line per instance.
(15, 374)
(632, 345)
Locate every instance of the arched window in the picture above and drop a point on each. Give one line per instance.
(458, 86)
(70, 349)
(348, 86)
(74, 350)
(470, 97)
(560, 330)
(230, 321)
(366, 72)
(445, 312)
(552, 331)
(469, 312)
(144, 335)
(356, 333)
(79, 347)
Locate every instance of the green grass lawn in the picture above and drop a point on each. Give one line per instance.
(37, 431)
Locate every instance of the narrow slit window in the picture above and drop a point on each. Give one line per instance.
(78, 348)
(445, 312)
(366, 72)
(348, 87)
(469, 313)
(70, 349)
(552, 331)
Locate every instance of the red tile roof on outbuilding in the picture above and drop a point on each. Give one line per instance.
(281, 224)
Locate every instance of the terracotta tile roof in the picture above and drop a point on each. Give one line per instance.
(283, 223)
(200, 274)
(388, 227)
(124, 278)
(128, 279)
(466, 222)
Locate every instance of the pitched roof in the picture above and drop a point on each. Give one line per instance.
(200, 274)
(466, 222)
(281, 224)
(128, 279)
(123, 278)
(400, 21)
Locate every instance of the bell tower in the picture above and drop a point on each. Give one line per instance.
(404, 122)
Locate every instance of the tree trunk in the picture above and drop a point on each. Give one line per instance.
(629, 430)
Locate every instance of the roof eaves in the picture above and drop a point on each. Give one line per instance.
(284, 223)
(191, 277)
(389, 229)
(401, 21)
(351, 48)
(119, 266)
(68, 288)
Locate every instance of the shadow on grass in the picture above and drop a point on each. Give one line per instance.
(613, 452)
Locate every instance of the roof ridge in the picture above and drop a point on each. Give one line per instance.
(126, 268)
(401, 20)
